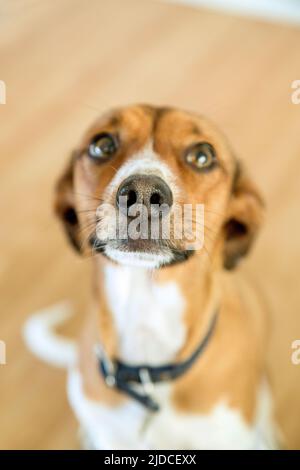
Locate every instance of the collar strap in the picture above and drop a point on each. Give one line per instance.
(124, 377)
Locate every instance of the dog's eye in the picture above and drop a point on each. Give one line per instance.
(201, 156)
(102, 146)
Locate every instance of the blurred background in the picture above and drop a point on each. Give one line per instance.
(64, 62)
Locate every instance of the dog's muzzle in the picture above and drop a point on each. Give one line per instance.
(141, 225)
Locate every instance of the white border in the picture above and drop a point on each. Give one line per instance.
(272, 10)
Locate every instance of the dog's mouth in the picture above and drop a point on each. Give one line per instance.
(151, 235)
(140, 253)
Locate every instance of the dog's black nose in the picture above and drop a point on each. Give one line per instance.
(148, 190)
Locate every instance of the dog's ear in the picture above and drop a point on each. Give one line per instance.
(245, 215)
(64, 204)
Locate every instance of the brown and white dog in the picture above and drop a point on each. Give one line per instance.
(157, 305)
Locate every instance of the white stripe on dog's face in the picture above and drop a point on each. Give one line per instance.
(144, 162)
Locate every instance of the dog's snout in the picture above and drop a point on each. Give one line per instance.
(148, 190)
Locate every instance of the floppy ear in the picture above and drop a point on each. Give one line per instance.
(64, 204)
(245, 215)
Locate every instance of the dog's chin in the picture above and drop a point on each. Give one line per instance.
(142, 259)
(141, 253)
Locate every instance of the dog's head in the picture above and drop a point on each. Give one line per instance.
(139, 179)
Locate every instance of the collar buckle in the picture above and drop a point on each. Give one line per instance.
(146, 381)
(107, 365)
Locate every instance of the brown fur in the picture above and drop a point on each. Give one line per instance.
(233, 363)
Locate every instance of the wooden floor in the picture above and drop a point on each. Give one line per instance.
(63, 62)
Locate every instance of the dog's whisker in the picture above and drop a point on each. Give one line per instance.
(86, 227)
(208, 211)
(88, 196)
(208, 254)
(204, 226)
(115, 169)
(86, 239)
(83, 211)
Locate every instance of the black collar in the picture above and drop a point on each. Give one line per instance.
(123, 376)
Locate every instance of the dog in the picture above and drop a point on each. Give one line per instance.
(172, 355)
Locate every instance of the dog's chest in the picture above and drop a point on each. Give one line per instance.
(148, 317)
(130, 426)
(150, 327)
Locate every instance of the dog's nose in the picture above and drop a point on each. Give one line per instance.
(148, 190)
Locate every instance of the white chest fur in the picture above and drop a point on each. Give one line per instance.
(130, 426)
(148, 317)
(149, 323)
